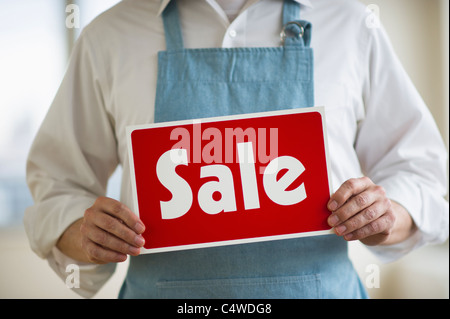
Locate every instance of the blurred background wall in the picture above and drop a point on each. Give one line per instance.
(35, 43)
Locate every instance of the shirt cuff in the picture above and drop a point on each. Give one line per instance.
(427, 208)
(90, 278)
(390, 253)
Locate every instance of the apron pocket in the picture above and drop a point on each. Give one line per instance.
(304, 287)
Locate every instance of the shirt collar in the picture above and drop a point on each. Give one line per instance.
(164, 4)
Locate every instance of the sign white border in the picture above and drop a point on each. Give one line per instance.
(130, 129)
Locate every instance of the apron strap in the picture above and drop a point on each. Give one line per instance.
(291, 11)
(172, 27)
(296, 32)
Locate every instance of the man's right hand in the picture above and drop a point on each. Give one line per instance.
(108, 232)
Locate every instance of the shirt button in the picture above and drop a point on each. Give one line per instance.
(232, 33)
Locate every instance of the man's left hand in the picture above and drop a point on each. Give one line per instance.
(362, 211)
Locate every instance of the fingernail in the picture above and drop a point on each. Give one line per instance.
(139, 240)
(139, 227)
(333, 220)
(340, 229)
(333, 205)
(134, 250)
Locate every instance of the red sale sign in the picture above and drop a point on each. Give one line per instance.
(230, 180)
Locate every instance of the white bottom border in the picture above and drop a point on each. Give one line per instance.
(235, 242)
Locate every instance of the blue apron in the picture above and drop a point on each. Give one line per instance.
(199, 83)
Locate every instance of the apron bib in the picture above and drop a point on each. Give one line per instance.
(200, 83)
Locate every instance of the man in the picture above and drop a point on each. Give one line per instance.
(387, 159)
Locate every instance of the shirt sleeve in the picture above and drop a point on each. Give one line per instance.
(73, 155)
(400, 147)
(90, 277)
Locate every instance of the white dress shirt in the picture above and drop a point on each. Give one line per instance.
(231, 7)
(377, 123)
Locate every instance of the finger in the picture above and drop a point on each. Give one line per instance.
(113, 226)
(122, 212)
(355, 205)
(108, 241)
(100, 255)
(116, 248)
(348, 189)
(361, 219)
(381, 226)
